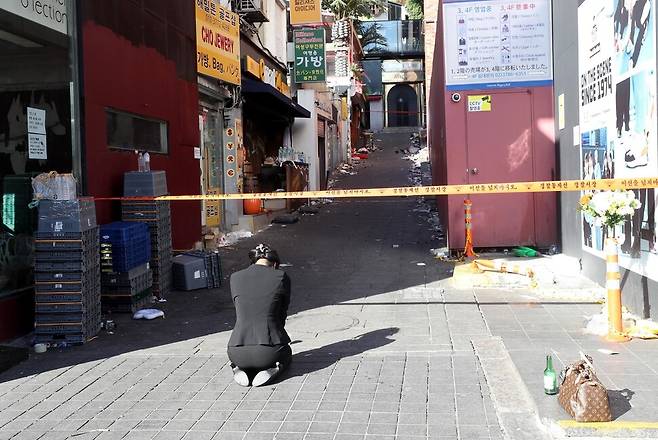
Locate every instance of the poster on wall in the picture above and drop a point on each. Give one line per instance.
(617, 77)
(497, 43)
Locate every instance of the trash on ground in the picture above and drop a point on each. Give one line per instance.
(606, 351)
(421, 264)
(440, 253)
(286, 219)
(524, 251)
(644, 329)
(285, 265)
(598, 324)
(396, 245)
(148, 314)
(233, 237)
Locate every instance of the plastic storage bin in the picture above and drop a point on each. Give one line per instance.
(189, 272)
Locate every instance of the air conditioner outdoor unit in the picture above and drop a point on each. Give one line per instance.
(253, 11)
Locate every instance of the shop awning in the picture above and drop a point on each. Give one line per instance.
(272, 98)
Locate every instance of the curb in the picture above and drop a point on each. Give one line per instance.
(516, 410)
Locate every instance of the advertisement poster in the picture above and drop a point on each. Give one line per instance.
(497, 44)
(217, 41)
(617, 78)
(310, 62)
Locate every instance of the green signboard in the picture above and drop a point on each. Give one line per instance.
(310, 60)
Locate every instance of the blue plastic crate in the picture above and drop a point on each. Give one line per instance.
(122, 233)
(125, 258)
(126, 244)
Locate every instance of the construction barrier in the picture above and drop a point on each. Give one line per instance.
(419, 191)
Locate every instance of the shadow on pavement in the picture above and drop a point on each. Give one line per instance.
(620, 402)
(319, 358)
(352, 249)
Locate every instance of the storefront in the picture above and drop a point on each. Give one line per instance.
(271, 160)
(38, 133)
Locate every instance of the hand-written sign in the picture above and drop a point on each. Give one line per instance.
(310, 61)
(305, 11)
(217, 41)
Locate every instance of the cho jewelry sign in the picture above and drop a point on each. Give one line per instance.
(217, 41)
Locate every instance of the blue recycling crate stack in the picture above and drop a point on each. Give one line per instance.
(67, 272)
(157, 215)
(126, 277)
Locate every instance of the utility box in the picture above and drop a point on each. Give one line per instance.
(189, 273)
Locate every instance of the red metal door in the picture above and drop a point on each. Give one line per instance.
(500, 149)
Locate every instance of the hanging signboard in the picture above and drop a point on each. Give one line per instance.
(310, 60)
(617, 127)
(305, 11)
(217, 41)
(497, 43)
(49, 13)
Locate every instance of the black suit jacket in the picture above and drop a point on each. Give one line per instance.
(261, 296)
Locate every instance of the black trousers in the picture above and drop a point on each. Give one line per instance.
(255, 358)
(623, 105)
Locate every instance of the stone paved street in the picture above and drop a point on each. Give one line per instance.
(383, 347)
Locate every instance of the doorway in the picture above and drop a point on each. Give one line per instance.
(402, 106)
(211, 165)
(500, 149)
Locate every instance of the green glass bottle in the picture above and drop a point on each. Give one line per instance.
(550, 377)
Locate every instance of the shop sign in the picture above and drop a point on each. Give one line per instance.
(217, 41)
(497, 43)
(305, 11)
(479, 103)
(49, 13)
(310, 60)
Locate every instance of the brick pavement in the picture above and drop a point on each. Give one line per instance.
(383, 347)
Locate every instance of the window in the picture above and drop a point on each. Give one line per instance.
(126, 131)
(394, 11)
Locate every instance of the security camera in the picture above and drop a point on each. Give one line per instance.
(456, 97)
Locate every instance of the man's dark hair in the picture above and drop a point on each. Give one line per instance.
(264, 251)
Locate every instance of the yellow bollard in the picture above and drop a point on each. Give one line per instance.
(613, 285)
(468, 247)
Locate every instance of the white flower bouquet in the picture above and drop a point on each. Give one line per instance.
(608, 208)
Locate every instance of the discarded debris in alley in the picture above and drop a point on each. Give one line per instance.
(634, 326)
(231, 238)
(148, 314)
(504, 267)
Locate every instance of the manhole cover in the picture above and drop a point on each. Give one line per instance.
(320, 323)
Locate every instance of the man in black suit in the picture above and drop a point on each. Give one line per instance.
(259, 346)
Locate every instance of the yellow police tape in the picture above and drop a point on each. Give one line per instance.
(444, 190)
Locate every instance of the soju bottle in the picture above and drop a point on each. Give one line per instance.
(550, 378)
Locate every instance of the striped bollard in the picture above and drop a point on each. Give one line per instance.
(613, 285)
(468, 247)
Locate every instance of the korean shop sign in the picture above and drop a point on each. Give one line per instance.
(305, 11)
(310, 61)
(217, 41)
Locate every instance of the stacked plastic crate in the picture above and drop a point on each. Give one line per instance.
(126, 278)
(157, 215)
(67, 272)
